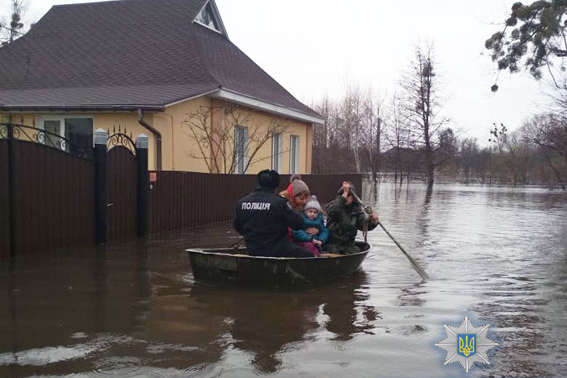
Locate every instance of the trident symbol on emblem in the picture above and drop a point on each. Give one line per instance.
(466, 345)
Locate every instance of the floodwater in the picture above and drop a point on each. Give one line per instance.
(496, 255)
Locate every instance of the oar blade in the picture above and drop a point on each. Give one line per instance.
(412, 261)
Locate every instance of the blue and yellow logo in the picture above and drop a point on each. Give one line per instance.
(466, 344)
(471, 344)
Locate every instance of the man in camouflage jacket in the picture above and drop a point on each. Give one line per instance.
(345, 217)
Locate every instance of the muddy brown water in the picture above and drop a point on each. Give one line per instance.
(497, 255)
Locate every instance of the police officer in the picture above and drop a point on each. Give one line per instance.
(263, 219)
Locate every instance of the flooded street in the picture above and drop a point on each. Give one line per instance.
(497, 255)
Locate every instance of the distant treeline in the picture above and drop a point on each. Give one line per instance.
(534, 154)
(406, 136)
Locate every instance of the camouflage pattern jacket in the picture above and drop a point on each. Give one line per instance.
(344, 221)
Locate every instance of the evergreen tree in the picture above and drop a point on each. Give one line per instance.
(14, 29)
(534, 36)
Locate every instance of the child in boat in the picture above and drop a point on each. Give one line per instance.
(312, 212)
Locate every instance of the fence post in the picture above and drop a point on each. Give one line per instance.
(143, 185)
(100, 152)
(11, 190)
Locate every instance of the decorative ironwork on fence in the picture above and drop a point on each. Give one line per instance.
(33, 134)
(121, 138)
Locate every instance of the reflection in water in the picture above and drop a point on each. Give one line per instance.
(411, 295)
(498, 255)
(348, 312)
(266, 324)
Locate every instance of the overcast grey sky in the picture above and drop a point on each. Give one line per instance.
(314, 48)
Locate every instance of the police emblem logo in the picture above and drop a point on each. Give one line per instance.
(466, 344)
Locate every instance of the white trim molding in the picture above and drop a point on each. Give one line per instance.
(241, 99)
(191, 98)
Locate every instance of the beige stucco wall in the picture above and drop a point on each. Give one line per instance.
(180, 151)
(180, 147)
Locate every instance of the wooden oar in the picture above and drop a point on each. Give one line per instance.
(415, 265)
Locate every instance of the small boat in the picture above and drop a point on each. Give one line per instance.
(237, 266)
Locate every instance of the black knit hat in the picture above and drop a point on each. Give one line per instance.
(268, 179)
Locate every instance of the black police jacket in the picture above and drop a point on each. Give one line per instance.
(263, 218)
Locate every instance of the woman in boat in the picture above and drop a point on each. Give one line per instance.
(297, 193)
(263, 219)
(345, 217)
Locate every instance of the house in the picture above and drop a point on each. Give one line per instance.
(152, 66)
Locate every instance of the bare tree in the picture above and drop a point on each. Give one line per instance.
(394, 137)
(468, 158)
(446, 156)
(228, 146)
(514, 153)
(421, 106)
(351, 123)
(549, 133)
(321, 136)
(371, 133)
(339, 135)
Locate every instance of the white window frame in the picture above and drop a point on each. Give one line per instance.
(61, 119)
(277, 147)
(293, 154)
(237, 161)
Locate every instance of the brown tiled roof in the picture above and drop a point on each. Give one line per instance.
(129, 53)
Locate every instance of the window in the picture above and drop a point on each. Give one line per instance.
(240, 149)
(54, 128)
(207, 18)
(276, 152)
(293, 154)
(78, 131)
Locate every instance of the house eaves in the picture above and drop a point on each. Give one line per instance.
(79, 108)
(255, 103)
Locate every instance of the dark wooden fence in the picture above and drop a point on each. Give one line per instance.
(4, 209)
(186, 199)
(52, 198)
(54, 203)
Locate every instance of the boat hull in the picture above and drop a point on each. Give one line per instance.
(230, 265)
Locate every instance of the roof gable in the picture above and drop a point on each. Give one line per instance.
(209, 16)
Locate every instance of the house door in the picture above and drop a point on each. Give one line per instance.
(121, 190)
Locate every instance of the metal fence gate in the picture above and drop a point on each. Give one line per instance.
(121, 187)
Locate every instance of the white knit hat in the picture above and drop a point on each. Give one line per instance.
(312, 203)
